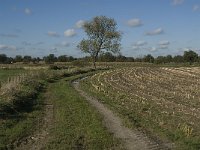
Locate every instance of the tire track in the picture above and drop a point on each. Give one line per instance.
(39, 138)
(132, 139)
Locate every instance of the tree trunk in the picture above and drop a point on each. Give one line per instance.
(94, 63)
(95, 59)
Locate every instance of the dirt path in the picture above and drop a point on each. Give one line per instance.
(40, 137)
(132, 139)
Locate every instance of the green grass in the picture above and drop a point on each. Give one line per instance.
(77, 125)
(19, 125)
(5, 73)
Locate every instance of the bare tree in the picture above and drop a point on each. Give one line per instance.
(102, 35)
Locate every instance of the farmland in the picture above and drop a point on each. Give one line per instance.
(100, 75)
(162, 101)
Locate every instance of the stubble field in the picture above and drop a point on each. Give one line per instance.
(162, 101)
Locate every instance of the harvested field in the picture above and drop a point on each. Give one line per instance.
(162, 101)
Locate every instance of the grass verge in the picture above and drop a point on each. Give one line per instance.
(77, 125)
(21, 106)
(16, 125)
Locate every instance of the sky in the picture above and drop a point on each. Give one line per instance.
(42, 27)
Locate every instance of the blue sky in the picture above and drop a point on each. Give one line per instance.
(41, 27)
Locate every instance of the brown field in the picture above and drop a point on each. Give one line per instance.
(164, 101)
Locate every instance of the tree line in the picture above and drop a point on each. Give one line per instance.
(51, 58)
(188, 57)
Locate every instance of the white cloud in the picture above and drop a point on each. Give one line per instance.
(52, 34)
(177, 2)
(165, 42)
(80, 24)
(70, 32)
(153, 49)
(196, 8)
(135, 47)
(163, 47)
(155, 32)
(140, 43)
(53, 50)
(134, 22)
(7, 47)
(27, 11)
(63, 44)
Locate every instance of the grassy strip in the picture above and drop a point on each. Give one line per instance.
(17, 126)
(16, 97)
(77, 125)
(21, 107)
(5, 73)
(133, 119)
(18, 117)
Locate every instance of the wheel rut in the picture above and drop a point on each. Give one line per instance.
(132, 139)
(39, 138)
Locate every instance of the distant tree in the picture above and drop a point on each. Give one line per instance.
(138, 59)
(18, 58)
(160, 60)
(35, 60)
(27, 59)
(71, 58)
(9, 60)
(178, 59)
(38, 59)
(190, 56)
(50, 59)
(148, 58)
(169, 58)
(65, 58)
(120, 58)
(130, 59)
(3, 58)
(102, 35)
(62, 58)
(107, 57)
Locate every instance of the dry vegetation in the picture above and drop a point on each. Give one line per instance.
(162, 100)
(21, 103)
